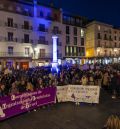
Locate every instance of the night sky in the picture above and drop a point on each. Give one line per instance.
(103, 10)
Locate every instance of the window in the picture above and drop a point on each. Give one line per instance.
(75, 40)
(115, 38)
(49, 16)
(56, 28)
(98, 45)
(42, 27)
(110, 38)
(78, 21)
(99, 36)
(71, 51)
(67, 39)
(10, 22)
(10, 36)
(26, 38)
(82, 41)
(42, 52)
(99, 27)
(26, 25)
(10, 50)
(81, 51)
(18, 9)
(27, 51)
(75, 49)
(67, 30)
(26, 12)
(72, 20)
(75, 30)
(115, 44)
(42, 38)
(41, 14)
(66, 50)
(82, 33)
(105, 36)
(55, 17)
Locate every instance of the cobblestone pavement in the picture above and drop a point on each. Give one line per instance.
(66, 116)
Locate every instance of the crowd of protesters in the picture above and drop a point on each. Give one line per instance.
(18, 81)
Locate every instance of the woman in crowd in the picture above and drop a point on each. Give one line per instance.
(13, 89)
(106, 80)
(84, 80)
(113, 122)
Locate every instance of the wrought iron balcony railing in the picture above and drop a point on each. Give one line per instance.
(27, 41)
(43, 42)
(27, 27)
(42, 29)
(15, 54)
(14, 25)
(56, 31)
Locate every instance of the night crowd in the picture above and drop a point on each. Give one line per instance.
(18, 81)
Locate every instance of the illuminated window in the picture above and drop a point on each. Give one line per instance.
(75, 50)
(82, 33)
(27, 51)
(99, 27)
(67, 49)
(70, 49)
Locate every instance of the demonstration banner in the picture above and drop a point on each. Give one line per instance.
(19, 103)
(78, 93)
(62, 93)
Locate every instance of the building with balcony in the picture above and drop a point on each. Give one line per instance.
(26, 31)
(74, 36)
(102, 42)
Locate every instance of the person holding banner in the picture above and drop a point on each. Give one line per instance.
(2, 114)
(84, 80)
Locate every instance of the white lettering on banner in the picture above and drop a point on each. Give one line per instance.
(78, 93)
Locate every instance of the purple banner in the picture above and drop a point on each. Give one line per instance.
(20, 103)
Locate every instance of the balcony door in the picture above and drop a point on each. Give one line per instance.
(26, 25)
(10, 50)
(42, 53)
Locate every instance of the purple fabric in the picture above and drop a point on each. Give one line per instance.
(20, 103)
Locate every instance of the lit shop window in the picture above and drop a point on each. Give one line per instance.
(70, 49)
(67, 50)
(74, 49)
